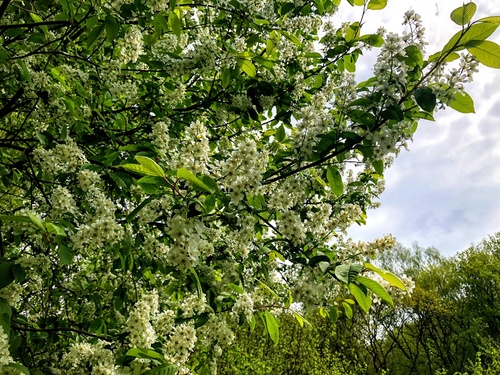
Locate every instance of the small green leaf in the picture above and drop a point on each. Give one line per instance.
(94, 34)
(425, 98)
(175, 23)
(372, 40)
(378, 165)
(300, 319)
(492, 19)
(347, 309)
(65, 255)
(377, 4)
(292, 38)
(485, 51)
(145, 353)
(364, 300)
(225, 77)
(376, 288)
(112, 27)
(272, 326)
(464, 14)
(463, 103)
(169, 369)
(36, 221)
(387, 276)
(187, 175)
(37, 19)
(153, 168)
(334, 314)
(6, 274)
(478, 31)
(197, 280)
(136, 168)
(335, 181)
(247, 66)
(55, 229)
(347, 272)
(19, 367)
(280, 134)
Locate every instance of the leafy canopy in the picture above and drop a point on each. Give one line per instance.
(169, 167)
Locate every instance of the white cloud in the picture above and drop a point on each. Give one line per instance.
(445, 191)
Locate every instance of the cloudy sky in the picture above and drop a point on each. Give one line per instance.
(445, 192)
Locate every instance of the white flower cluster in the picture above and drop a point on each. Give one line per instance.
(64, 157)
(82, 355)
(12, 293)
(180, 343)
(196, 148)
(292, 228)
(216, 333)
(244, 305)
(188, 244)
(242, 171)
(391, 73)
(142, 333)
(5, 357)
(416, 34)
(131, 46)
(62, 203)
(87, 179)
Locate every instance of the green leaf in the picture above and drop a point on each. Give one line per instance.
(247, 66)
(197, 281)
(300, 319)
(376, 288)
(364, 300)
(425, 98)
(334, 314)
(5, 314)
(19, 218)
(187, 175)
(175, 23)
(378, 165)
(347, 272)
(464, 14)
(335, 181)
(37, 19)
(478, 31)
(153, 168)
(387, 276)
(415, 54)
(169, 369)
(372, 40)
(6, 274)
(280, 134)
(377, 4)
(94, 34)
(347, 309)
(19, 367)
(486, 52)
(492, 19)
(55, 229)
(112, 27)
(36, 221)
(136, 168)
(462, 102)
(65, 255)
(225, 77)
(272, 326)
(145, 353)
(292, 38)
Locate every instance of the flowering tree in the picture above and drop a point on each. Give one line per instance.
(168, 167)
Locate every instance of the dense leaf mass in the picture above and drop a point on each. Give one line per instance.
(171, 167)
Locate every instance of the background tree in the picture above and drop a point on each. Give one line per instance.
(171, 167)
